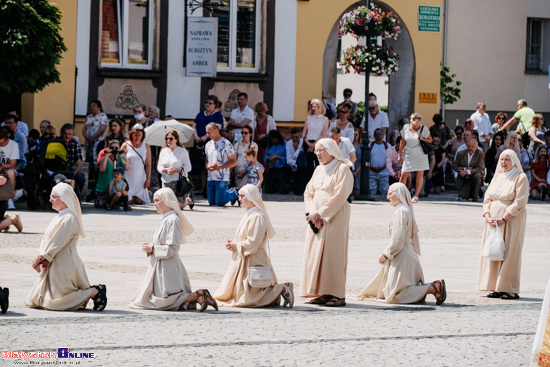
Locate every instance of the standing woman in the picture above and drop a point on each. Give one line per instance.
(139, 158)
(401, 279)
(249, 248)
(116, 132)
(414, 159)
(166, 285)
(500, 119)
(241, 171)
(341, 122)
(326, 252)
(261, 126)
(173, 161)
(63, 284)
(315, 128)
(504, 206)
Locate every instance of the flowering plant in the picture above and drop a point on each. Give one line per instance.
(363, 21)
(357, 58)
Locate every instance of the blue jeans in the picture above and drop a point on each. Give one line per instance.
(218, 193)
(379, 181)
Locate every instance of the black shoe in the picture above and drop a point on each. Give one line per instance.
(4, 299)
(90, 197)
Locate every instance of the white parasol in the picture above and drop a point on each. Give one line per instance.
(156, 133)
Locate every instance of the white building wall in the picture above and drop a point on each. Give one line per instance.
(285, 60)
(82, 57)
(182, 93)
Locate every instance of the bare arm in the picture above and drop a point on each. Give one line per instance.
(508, 123)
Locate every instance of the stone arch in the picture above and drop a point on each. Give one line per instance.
(401, 84)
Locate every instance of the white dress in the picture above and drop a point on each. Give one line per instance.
(136, 175)
(414, 159)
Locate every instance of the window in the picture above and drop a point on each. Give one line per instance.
(238, 35)
(127, 33)
(533, 60)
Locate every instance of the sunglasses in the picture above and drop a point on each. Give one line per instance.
(208, 103)
(170, 138)
(245, 133)
(372, 108)
(343, 112)
(378, 133)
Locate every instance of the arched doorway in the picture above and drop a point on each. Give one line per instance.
(400, 91)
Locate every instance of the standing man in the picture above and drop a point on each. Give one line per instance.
(347, 100)
(241, 116)
(377, 119)
(482, 124)
(525, 116)
(220, 157)
(93, 131)
(74, 157)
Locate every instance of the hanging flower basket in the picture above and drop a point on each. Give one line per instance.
(363, 22)
(383, 60)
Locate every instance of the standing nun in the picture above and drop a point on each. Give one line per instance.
(63, 284)
(326, 252)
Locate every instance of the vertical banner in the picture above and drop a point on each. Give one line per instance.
(201, 47)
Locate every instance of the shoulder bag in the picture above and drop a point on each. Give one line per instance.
(260, 276)
(426, 147)
(184, 186)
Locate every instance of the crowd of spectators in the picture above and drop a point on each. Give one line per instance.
(247, 147)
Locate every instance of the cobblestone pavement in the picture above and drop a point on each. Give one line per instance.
(468, 330)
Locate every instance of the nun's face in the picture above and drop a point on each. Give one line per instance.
(505, 162)
(57, 204)
(392, 198)
(322, 154)
(245, 203)
(159, 204)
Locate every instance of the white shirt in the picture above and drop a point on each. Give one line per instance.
(482, 123)
(346, 147)
(178, 158)
(291, 154)
(9, 152)
(239, 116)
(379, 122)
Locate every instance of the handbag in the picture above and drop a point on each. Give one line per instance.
(6, 192)
(426, 147)
(494, 246)
(260, 276)
(184, 186)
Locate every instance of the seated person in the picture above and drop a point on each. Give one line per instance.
(470, 166)
(297, 161)
(275, 157)
(344, 144)
(9, 155)
(539, 172)
(118, 190)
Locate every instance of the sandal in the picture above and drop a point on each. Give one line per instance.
(288, 295)
(415, 199)
(336, 302)
(509, 296)
(190, 202)
(211, 299)
(100, 299)
(320, 300)
(440, 296)
(495, 295)
(201, 299)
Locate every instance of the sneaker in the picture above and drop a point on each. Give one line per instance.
(11, 205)
(415, 199)
(18, 194)
(460, 199)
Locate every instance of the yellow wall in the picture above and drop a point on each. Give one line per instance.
(56, 102)
(315, 20)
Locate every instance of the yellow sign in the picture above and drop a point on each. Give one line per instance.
(427, 97)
